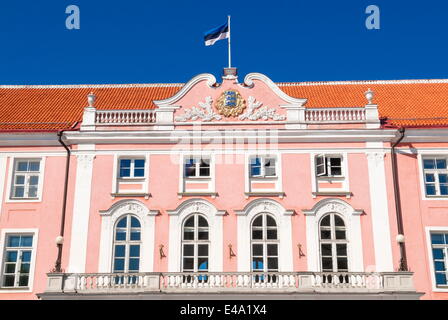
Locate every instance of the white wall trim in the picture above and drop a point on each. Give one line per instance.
(35, 233)
(380, 212)
(244, 221)
(215, 221)
(81, 213)
(109, 219)
(352, 220)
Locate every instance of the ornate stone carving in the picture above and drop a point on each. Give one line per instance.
(204, 112)
(128, 206)
(255, 111)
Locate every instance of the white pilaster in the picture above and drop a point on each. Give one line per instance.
(81, 213)
(3, 161)
(380, 212)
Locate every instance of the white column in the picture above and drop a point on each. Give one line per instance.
(379, 212)
(81, 213)
(3, 182)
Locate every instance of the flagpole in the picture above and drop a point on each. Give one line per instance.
(230, 53)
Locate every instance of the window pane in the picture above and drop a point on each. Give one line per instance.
(11, 256)
(335, 162)
(135, 236)
(139, 163)
(20, 179)
(430, 189)
(26, 256)
(257, 234)
(429, 177)
(138, 173)
(443, 189)
(10, 268)
(437, 238)
(125, 163)
(19, 192)
(255, 171)
(134, 264)
(336, 171)
(8, 281)
(188, 250)
(25, 268)
(189, 222)
(34, 166)
(338, 221)
(190, 171)
(134, 251)
(202, 263)
(203, 250)
(14, 241)
(258, 221)
(135, 223)
(272, 249)
(120, 235)
(270, 222)
(120, 251)
(122, 223)
(325, 234)
(441, 279)
(257, 250)
(442, 178)
(203, 235)
(342, 264)
(26, 241)
(439, 266)
(204, 172)
(341, 249)
(125, 173)
(325, 221)
(32, 192)
(119, 265)
(257, 263)
(441, 163)
(271, 234)
(340, 234)
(202, 222)
(272, 264)
(429, 164)
(437, 253)
(188, 234)
(326, 249)
(188, 263)
(22, 166)
(327, 264)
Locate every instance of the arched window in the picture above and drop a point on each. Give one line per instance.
(195, 244)
(333, 244)
(264, 244)
(127, 241)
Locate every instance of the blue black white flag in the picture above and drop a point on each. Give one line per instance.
(215, 34)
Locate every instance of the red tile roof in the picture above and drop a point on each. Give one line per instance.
(403, 102)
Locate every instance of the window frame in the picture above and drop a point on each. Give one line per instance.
(264, 242)
(197, 166)
(131, 168)
(13, 162)
(263, 160)
(327, 167)
(435, 172)
(430, 232)
(196, 242)
(8, 232)
(127, 243)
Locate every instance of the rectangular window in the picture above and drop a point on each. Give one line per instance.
(262, 167)
(439, 244)
(328, 166)
(132, 168)
(17, 261)
(435, 176)
(25, 180)
(197, 167)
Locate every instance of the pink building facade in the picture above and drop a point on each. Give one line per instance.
(230, 189)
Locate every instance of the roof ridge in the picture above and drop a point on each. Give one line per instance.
(92, 86)
(358, 82)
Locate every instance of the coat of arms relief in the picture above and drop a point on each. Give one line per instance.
(230, 104)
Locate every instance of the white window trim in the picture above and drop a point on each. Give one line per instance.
(35, 233)
(284, 230)
(421, 174)
(12, 160)
(215, 222)
(116, 169)
(211, 180)
(109, 219)
(277, 179)
(352, 222)
(195, 243)
(344, 178)
(428, 230)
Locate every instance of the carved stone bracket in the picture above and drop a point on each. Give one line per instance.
(256, 110)
(204, 112)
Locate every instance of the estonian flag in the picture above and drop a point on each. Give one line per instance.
(215, 34)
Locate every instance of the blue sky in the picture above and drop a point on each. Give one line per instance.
(146, 41)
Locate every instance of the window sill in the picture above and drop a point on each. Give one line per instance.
(15, 289)
(265, 194)
(23, 200)
(199, 193)
(130, 194)
(346, 194)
